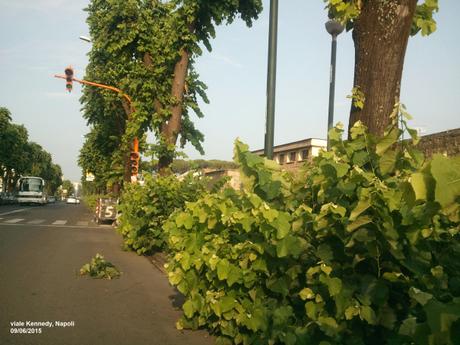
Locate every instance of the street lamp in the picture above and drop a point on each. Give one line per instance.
(334, 28)
(84, 38)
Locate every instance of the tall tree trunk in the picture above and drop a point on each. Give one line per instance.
(10, 182)
(171, 129)
(380, 36)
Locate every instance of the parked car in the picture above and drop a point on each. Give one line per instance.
(72, 200)
(51, 199)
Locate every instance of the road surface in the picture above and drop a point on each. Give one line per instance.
(41, 251)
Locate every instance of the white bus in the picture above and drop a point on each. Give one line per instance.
(31, 190)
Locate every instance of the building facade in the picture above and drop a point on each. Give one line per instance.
(294, 154)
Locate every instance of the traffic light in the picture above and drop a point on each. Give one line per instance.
(69, 78)
(134, 162)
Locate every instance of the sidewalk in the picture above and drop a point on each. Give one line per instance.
(38, 270)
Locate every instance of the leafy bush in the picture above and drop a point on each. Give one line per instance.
(145, 208)
(364, 249)
(90, 201)
(100, 268)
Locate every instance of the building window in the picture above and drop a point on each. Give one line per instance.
(304, 155)
(281, 158)
(292, 156)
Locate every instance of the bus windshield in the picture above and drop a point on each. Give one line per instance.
(31, 185)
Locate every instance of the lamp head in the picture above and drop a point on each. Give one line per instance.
(84, 38)
(334, 28)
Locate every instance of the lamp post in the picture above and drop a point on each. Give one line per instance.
(86, 39)
(334, 28)
(271, 79)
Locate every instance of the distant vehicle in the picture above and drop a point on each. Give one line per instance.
(7, 198)
(72, 200)
(51, 199)
(31, 190)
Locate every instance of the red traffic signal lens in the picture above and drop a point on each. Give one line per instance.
(134, 156)
(69, 72)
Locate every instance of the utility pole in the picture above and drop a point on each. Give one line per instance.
(271, 79)
(334, 28)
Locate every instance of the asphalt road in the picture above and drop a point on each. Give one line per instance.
(41, 250)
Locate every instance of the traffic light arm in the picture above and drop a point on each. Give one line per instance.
(129, 109)
(108, 87)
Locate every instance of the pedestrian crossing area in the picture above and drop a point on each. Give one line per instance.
(50, 222)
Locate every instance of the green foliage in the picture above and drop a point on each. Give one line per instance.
(136, 46)
(423, 19)
(90, 200)
(19, 156)
(362, 249)
(100, 155)
(100, 268)
(68, 186)
(358, 98)
(348, 11)
(145, 208)
(181, 166)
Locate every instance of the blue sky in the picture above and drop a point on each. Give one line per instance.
(39, 38)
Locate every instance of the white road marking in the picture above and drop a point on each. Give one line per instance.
(29, 226)
(14, 220)
(59, 222)
(36, 221)
(14, 211)
(82, 223)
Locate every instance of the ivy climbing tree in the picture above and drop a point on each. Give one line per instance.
(148, 50)
(96, 157)
(381, 29)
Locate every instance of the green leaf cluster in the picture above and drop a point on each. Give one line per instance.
(145, 208)
(19, 156)
(348, 11)
(136, 46)
(101, 155)
(361, 248)
(100, 268)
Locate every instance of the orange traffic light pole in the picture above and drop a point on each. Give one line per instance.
(107, 87)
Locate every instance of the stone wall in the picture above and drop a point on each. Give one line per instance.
(216, 175)
(447, 143)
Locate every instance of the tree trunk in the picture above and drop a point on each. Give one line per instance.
(10, 182)
(171, 129)
(129, 110)
(380, 36)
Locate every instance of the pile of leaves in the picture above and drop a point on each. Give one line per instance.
(145, 208)
(100, 268)
(363, 248)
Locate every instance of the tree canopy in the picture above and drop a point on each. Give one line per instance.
(19, 156)
(148, 50)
